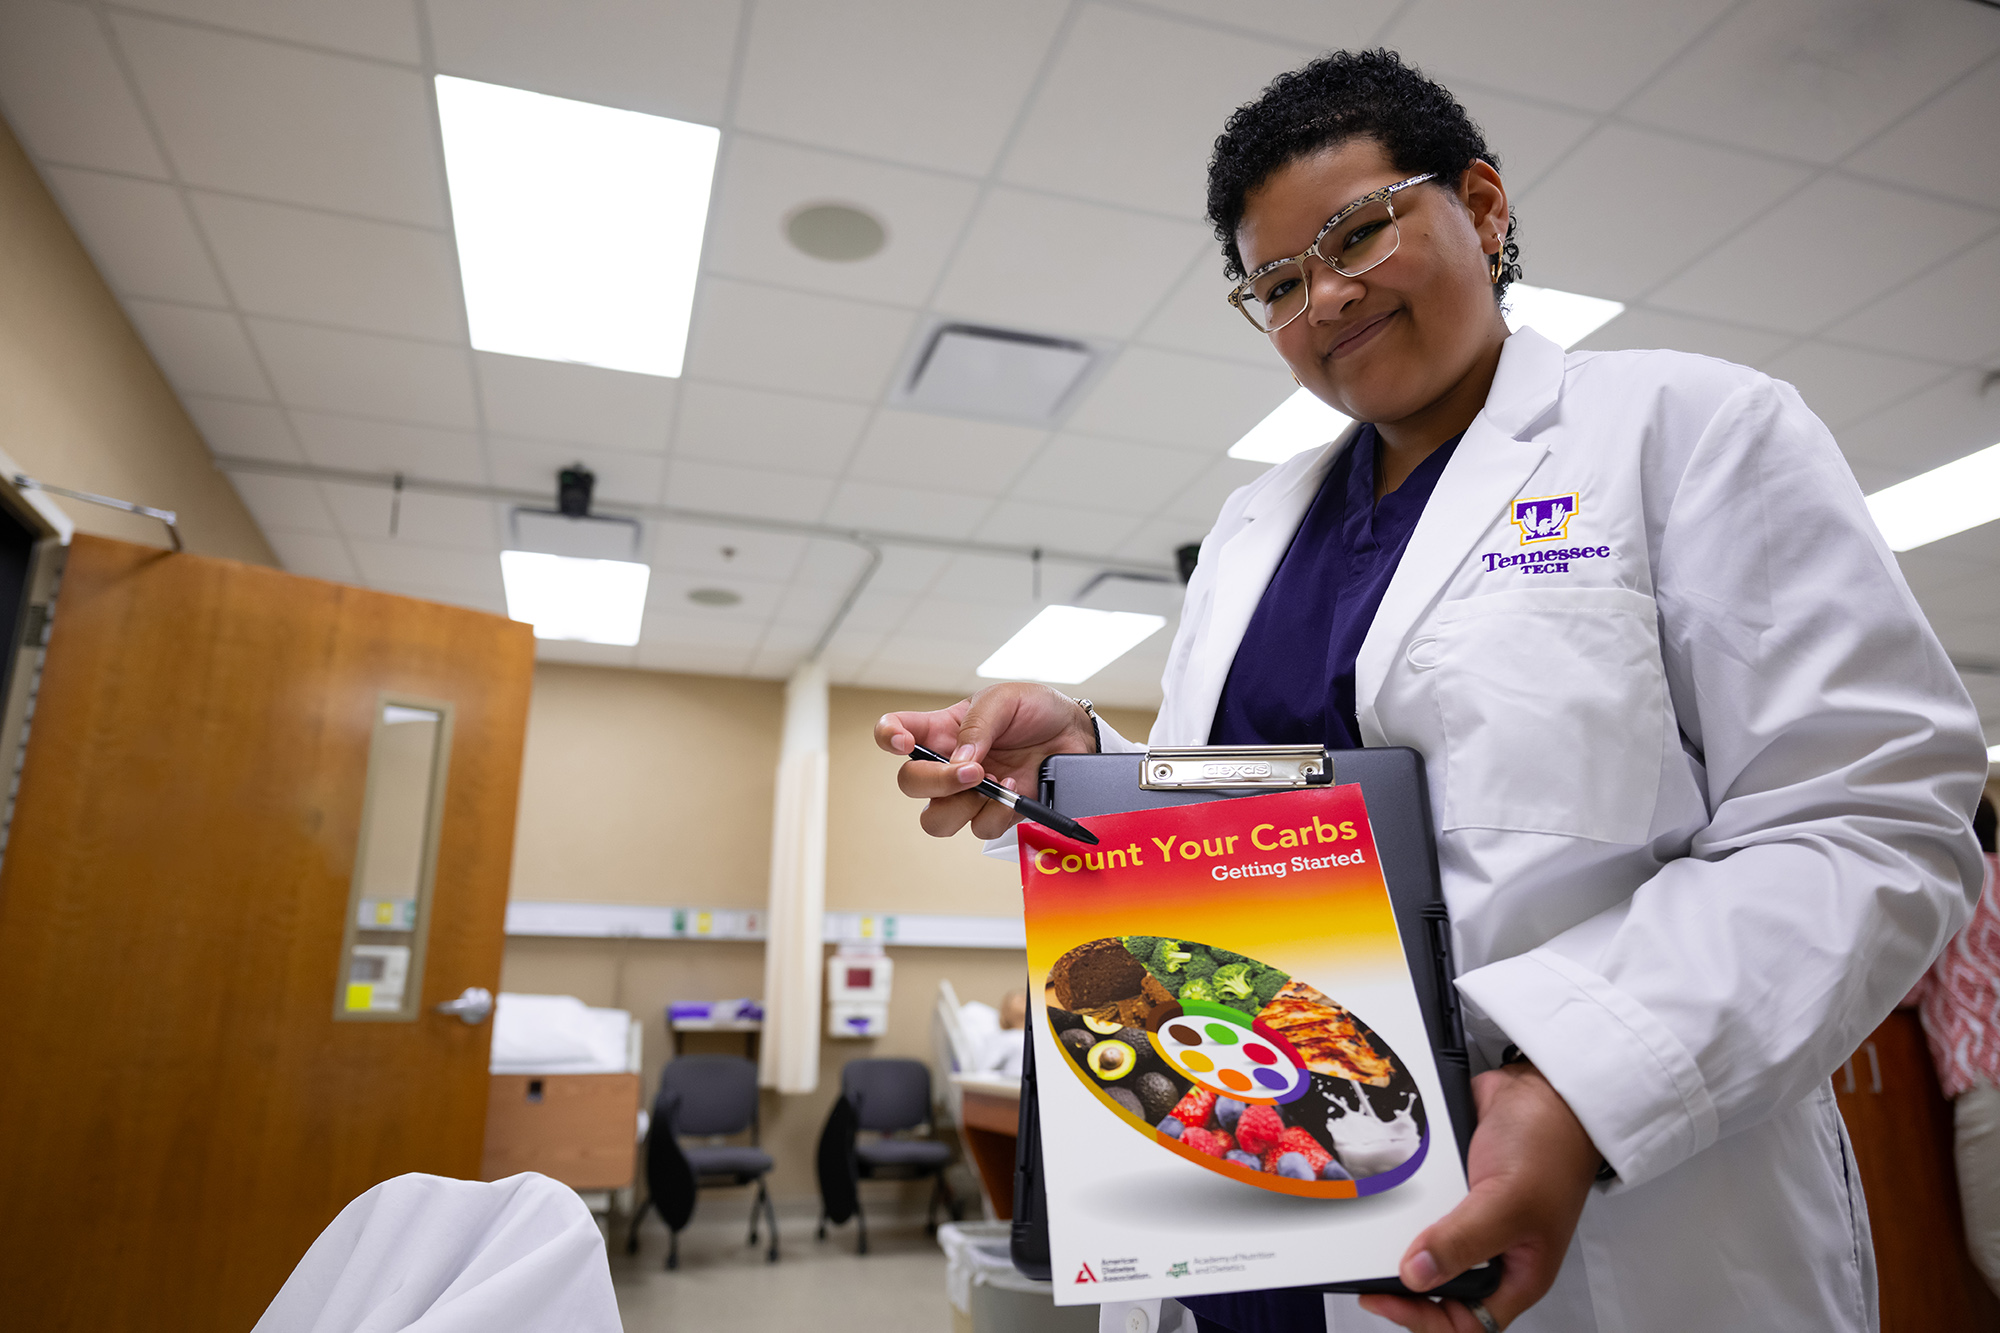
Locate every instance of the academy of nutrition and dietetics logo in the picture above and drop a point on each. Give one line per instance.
(1545, 519)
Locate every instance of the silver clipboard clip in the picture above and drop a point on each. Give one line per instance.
(1256, 767)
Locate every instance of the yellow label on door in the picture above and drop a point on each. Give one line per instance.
(360, 995)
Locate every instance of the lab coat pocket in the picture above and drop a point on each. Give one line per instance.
(1552, 703)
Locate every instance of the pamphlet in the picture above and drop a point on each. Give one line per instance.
(1237, 1090)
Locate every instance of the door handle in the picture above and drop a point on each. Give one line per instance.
(472, 1006)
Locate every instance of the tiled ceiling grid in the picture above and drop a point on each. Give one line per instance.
(1809, 186)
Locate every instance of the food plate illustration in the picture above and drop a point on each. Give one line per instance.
(1237, 1066)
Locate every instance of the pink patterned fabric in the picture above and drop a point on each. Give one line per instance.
(1959, 998)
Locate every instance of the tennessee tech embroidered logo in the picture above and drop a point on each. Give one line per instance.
(1545, 519)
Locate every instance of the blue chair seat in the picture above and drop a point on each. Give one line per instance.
(919, 1153)
(728, 1159)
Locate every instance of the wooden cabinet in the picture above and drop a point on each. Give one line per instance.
(1901, 1126)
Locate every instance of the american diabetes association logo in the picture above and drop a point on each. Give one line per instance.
(1545, 518)
(1237, 1067)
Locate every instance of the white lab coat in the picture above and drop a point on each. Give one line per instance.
(1703, 800)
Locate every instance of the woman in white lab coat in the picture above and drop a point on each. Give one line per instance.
(1702, 775)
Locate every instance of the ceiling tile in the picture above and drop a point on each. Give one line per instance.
(880, 508)
(1928, 570)
(312, 555)
(1058, 266)
(385, 29)
(944, 453)
(691, 659)
(1171, 398)
(828, 563)
(875, 612)
(442, 521)
(300, 264)
(139, 235)
(200, 351)
(1841, 384)
(697, 631)
(367, 374)
(1113, 475)
(408, 565)
(1595, 225)
(664, 57)
(1775, 270)
(63, 93)
(908, 569)
(1202, 500)
(718, 489)
(1951, 313)
(532, 465)
(1947, 146)
(1307, 22)
(667, 594)
(804, 611)
(1973, 600)
(894, 78)
(1089, 531)
(773, 338)
(243, 430)
(258, 118)
(285, 502)
(560, 400)
(1009, 582)
(953, 621)
(780, 432)
(1812, 80)
(1643, 328)
(761, 184)
(1529, 137)
(1587, 53)
(591, 654)
(360, 444)
(1129, 111)
(709, 551)
(1197, 317)
(1157, 540)
(1934, 426)
(909, 658)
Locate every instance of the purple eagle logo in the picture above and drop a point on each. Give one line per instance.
(1545, 519)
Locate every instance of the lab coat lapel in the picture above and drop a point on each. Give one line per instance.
(1243, 569)
(1486, 472)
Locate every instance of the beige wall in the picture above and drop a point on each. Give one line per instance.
(650, 787)
(81, 403)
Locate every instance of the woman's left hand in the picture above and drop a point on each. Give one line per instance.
(1529, 1172)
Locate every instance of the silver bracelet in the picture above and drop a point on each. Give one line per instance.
(1096, 723)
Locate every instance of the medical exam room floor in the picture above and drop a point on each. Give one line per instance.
(817, 1286)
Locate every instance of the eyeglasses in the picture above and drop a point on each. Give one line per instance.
(1364, 234)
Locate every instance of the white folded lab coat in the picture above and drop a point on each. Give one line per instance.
(1703, 780)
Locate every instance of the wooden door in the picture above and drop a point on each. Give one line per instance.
(1901, 1127)
(180, 1113)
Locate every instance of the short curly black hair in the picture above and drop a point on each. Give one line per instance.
(1345, 95)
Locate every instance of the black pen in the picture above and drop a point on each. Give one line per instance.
(1016, 802)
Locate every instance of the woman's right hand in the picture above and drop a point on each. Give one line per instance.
(1003, 733)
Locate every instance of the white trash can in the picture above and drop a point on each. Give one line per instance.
(987, 1294)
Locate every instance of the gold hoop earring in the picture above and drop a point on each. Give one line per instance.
(1493, 266)
(1295, 377)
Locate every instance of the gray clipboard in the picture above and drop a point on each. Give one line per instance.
(1399, 814)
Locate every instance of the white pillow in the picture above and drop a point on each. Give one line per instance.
(542, 1029)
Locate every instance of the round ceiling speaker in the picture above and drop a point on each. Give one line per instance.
(835, 232)
(714, 597)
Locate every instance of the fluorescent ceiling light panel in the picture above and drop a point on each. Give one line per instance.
(1300, 423)
(1562, 317)
(1962, 494)
(593, 601)
(1993, 754)
(1067, 645)
(579, 226)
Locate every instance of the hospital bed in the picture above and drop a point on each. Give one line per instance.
(564, 1097)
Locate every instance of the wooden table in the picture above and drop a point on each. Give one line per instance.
(990, 1120)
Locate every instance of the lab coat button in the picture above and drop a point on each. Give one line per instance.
(1423, 654)
(1135, 1320)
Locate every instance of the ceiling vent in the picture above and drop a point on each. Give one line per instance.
(969, 370)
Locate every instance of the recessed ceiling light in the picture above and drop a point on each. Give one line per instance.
(1565, 318)
(1993, 754)
(593, 601)
(1299, 423)
(1067, 645)
(1962, 494)
(714, 597)
(835, 232)
(579, 226)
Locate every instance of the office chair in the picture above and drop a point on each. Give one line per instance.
(887, 1097)
(703, 1095)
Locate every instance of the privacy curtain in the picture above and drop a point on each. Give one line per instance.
(793, 950)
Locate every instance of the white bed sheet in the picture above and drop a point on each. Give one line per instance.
(559, 1034)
